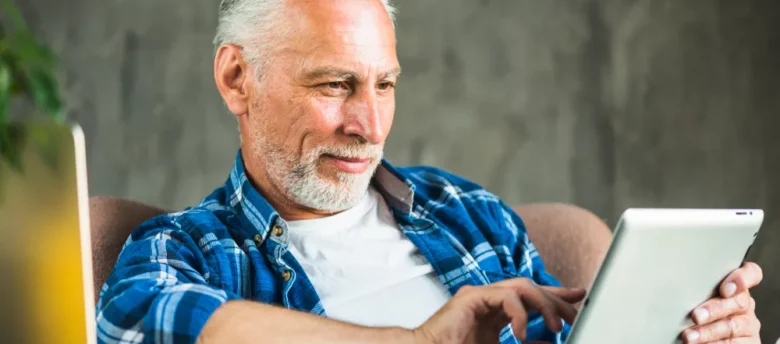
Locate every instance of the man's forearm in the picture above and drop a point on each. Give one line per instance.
(252, 322)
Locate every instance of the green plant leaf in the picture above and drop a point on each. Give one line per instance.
(5, 135)
(12, 143)
(5, 90)
(27, 68)
(44, 92)
(32, 65)
(18, 85)
(14, 15)
(29, 53)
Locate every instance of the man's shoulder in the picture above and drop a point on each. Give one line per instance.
(475, 217)
(433, 183)
(197, 222)
(456, 203)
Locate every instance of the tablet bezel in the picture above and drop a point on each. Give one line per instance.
(734, 230)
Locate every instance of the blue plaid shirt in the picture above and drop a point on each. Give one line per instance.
(175, 270)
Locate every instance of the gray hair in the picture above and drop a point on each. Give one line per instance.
(253, 25)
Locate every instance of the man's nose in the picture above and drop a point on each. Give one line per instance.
(364, 117)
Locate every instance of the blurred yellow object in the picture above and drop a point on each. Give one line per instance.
(46, 295)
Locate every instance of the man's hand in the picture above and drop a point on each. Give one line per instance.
(730, 317)
(478, 314)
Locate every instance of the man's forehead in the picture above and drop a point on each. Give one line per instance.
(323, 63)
(350, 38)
(344, 22)
(344, 47)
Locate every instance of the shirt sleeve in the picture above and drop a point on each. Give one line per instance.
(158, 291)
(529, 264)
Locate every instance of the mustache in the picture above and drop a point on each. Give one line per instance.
(351, 151)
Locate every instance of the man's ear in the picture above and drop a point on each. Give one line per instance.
(232, 74)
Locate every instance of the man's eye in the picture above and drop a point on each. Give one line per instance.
(337, 85)
(384, 86)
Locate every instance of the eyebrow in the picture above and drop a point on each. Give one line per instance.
(395, 72)
(323, 72)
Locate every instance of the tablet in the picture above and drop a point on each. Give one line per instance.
(661, 264)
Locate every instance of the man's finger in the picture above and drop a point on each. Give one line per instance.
(515, 311)
(546, 300)
(505, 299)
(742, 279)
(565, 309)
(735, 326)
(534, 298)
(718, 308)
(570, 295)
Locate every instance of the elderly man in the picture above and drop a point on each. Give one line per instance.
(315, 239)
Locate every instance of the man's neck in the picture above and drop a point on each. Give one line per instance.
(287, 208)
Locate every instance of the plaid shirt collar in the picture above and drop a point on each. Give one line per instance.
(255, 211)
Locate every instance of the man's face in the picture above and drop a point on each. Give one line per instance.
(318, 121)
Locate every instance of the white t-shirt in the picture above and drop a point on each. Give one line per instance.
(365, 270)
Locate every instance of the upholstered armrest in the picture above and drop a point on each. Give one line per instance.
(571, 241)
(112, 220)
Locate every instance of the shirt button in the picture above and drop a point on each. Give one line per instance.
(257, 238)
(286, 275)
(277, 230)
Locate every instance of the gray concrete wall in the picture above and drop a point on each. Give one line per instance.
(606, 104)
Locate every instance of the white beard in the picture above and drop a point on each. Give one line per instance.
(301, 182)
